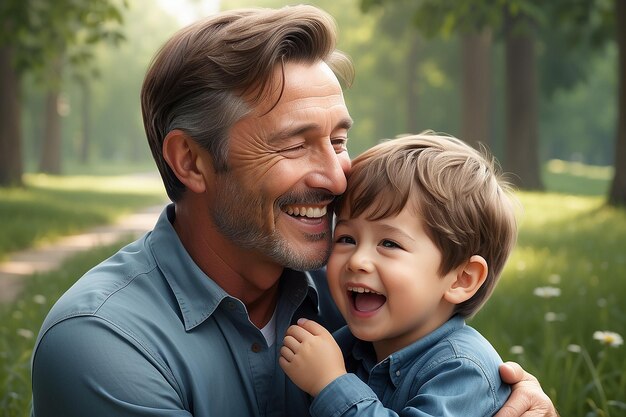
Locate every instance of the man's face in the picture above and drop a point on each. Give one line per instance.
(285, 167)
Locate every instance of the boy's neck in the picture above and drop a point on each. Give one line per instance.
(386, 347)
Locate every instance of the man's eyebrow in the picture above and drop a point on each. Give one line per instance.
(284, 134)
(278, 137)
(345, 123)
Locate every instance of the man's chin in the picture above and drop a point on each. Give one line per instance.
(313, 256)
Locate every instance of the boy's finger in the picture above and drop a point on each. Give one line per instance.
(312, 327)
(297, 332)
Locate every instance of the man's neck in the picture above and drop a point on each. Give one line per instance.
(242, 273)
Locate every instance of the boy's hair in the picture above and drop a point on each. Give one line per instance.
(210, 74)
(466, 206)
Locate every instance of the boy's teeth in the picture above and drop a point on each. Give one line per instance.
(362, 290)
(306, 211)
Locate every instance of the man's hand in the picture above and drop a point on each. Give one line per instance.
(310, 356)
(527, 398)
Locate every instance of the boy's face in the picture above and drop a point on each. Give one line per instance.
(383, 276)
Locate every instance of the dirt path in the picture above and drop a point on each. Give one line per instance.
(46, 258)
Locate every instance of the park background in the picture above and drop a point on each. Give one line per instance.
(537, 82)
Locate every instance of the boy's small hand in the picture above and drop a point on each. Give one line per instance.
(310, 356)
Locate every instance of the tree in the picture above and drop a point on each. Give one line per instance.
(617, 192)
(12, 16)
(522, 126)
(41, 37)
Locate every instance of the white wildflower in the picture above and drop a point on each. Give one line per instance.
(517, 350)
(551, 316)
(39, 299)
(25, 333)
(574, 348)
(608, 338)
(547, 292)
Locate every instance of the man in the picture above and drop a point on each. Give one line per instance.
(247, 124)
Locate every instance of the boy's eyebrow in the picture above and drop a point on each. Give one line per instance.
(385, 228)
(392, 229)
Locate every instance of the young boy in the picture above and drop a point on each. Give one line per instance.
(422, 234)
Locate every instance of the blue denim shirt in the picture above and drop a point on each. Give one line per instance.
(452, 371)
(147, 333)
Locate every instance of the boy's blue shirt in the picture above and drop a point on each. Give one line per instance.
(452, 371)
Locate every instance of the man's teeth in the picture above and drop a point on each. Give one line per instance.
(306, 211)
(362, 290)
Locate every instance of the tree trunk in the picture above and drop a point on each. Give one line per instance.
(617, 193)
(476, 88)
(50, 160)
(522, 129)
(11, 167)
(412, 101)
(85, 143)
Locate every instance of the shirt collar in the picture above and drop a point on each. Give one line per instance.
(197, 295)
(396, 363)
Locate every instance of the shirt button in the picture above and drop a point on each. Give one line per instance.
(256, 347)
(397, 373)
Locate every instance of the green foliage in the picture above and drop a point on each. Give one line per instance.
(42, 31)
(49, 207)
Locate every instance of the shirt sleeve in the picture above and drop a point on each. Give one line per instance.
(85, 366)
(457, 387)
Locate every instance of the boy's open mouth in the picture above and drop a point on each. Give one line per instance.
(365, 300)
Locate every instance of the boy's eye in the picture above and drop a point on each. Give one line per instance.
(390, 244)
(345, 239)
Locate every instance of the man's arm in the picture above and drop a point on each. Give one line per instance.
(527, 398)
(84, 366)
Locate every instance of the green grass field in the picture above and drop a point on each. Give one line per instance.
(49, 207)
(565, 281)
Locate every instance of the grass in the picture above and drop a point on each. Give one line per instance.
(48, 207)
(571, 242)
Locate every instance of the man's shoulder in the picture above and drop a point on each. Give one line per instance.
(105, 283)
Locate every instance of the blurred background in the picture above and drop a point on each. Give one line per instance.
(542, 84)
(534, 81)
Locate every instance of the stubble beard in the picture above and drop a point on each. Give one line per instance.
(246, 231)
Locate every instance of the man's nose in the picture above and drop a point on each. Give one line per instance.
(332, 170)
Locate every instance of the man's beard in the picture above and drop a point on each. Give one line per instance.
(229, 216)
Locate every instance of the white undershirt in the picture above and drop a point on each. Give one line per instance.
(269, 330)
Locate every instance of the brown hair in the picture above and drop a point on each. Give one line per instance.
(197, 81)
(466, 205)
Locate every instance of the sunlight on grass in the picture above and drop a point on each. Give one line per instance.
(52, 206)
(577, 169)
(136, 184)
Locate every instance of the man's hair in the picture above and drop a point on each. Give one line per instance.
(465, 204)
(212, 73)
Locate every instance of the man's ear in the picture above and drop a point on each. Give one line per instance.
(469, 278)
(184, 156)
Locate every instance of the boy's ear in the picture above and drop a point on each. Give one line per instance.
(469, 278)
(184, 156)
